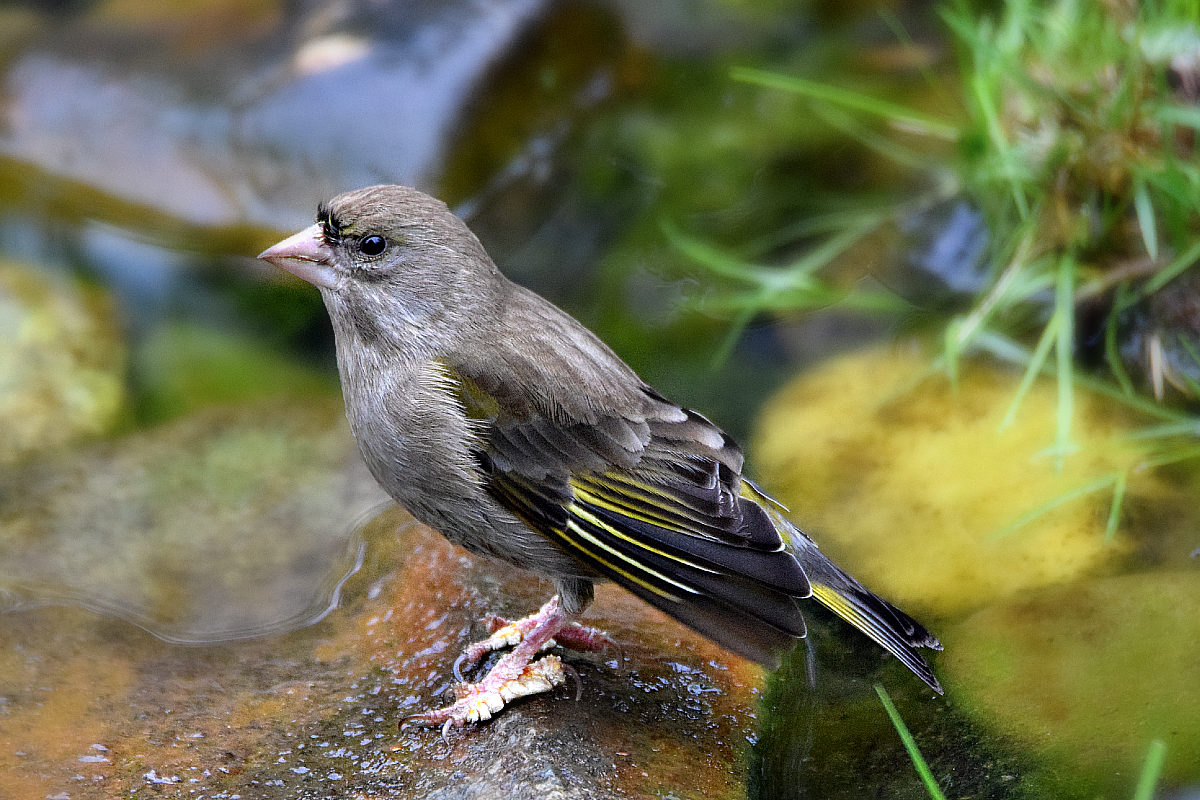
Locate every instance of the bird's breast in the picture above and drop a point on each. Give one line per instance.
(412, 431)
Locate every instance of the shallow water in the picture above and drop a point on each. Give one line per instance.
(177, 465)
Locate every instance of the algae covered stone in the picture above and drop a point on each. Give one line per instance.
(62, 366)
(1086, 676)
(923, 493)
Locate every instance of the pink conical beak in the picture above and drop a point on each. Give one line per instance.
(305, 255)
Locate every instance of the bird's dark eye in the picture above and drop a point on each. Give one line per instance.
(372, 245)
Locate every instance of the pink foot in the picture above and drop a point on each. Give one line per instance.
(509, 633)
(516, 674)
(573, 635)
(478, 702)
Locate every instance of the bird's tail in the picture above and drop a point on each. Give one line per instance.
(832, 587)
(886, 625)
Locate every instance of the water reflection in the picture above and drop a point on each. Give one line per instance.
(228, 524)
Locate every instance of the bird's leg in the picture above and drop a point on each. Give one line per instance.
(515, 675)
(508, 633)
(572, 636)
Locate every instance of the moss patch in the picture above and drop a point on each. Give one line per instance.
(1087, 676)
(918, 490)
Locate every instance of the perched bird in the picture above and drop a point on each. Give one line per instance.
(500, 421)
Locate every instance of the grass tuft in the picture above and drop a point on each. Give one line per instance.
(1077, 139)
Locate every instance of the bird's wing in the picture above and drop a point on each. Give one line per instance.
(653, 501)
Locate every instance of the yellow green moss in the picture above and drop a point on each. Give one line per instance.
(1087, 676)
(917, 487)
(62, 366)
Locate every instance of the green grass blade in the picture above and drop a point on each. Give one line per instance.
(1001, 347)
(1145, 405)
(898, 114)
(1118, 502)
(1036, 361)
(910, 744)
(885, 146)
(1172, 270)
(1011, 282)
(729, 341)
(1145, 216)
(1186, 426)
(1172, 456)
(821, 255)
(716, 261)
(1064, 348)
(987, 106)
(1187, 116)
(1151, 769)
(801, 299)
(952, 349)
(898, 30)
(1091, 487)
(1112, 350)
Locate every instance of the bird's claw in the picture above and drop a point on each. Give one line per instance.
(510, 633)
(479, 702)
(503, 634)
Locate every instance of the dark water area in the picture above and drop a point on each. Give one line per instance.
(197, 586)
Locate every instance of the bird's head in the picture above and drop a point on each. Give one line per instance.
(390, 259)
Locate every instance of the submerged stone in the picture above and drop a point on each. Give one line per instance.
(62, 363)
(925, 494)
(231, 523)
(939, 499)
(1087, 676)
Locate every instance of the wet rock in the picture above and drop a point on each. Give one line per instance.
(314, 713)
(1160, 340)
(942, 259)
(924, 495)
(62, 366)
(1086, 676)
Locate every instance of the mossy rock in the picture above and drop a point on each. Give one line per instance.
(1086, 677)
(62, 366)
(920, 489)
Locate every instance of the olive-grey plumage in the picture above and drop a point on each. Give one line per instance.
(502, 422)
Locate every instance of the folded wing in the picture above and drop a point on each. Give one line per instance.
(655, 504)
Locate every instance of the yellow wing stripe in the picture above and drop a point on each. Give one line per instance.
(643, 491)
(649, 496)
(624, 510)
(575, 526)
(574, 542)
(752, 492)
(843, 608)
(587, 515)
